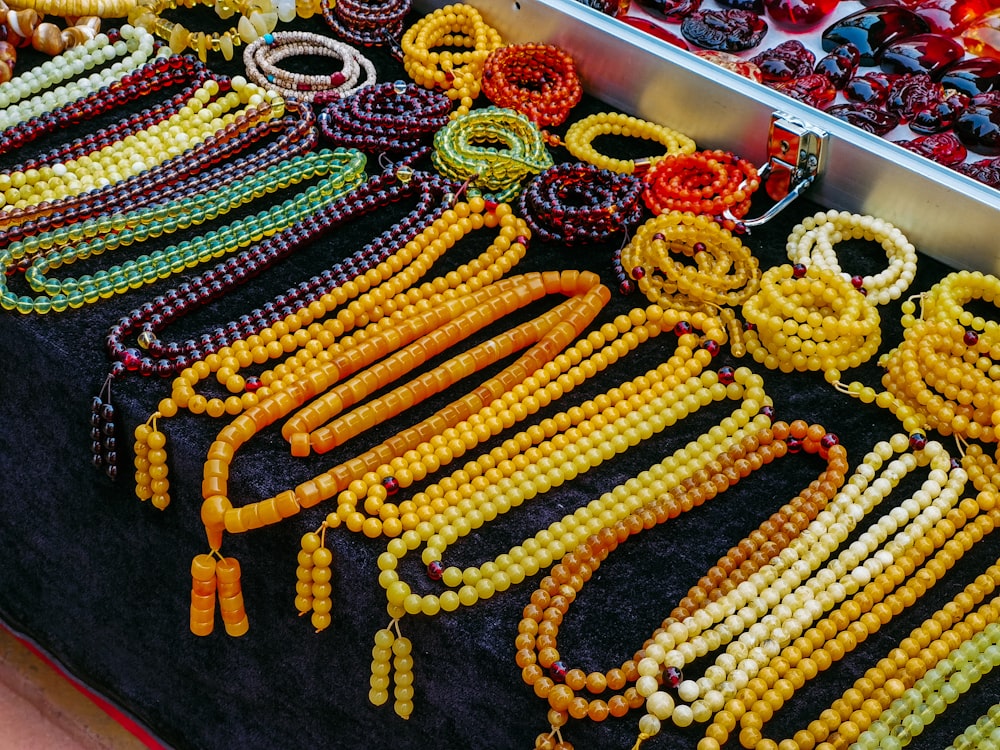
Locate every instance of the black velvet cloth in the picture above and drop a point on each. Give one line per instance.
(101, 582)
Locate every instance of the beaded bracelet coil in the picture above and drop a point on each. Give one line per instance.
(261, 58)
(580, 136)
(492, 149)
(538, 80)
(396, 120)
(367, 23)
(447, 50)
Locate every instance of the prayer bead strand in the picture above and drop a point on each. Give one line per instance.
(538, 80)
(31, 93)
(790, 592)
(339, 171)
(494, 150)
(724, 273)
(810, 319)
(548, 466)
(538, 630)
(982, 735)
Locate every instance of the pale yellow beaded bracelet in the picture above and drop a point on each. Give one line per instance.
(580, 136)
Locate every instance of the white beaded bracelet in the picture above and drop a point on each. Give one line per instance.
(262, 56)
(813, 241)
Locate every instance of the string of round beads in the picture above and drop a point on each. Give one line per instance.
(551, 381)
(288, 386)
(889, 593)
(779, 602)
(396, 118)
(215, 104)
(983, 734)
(809, 319)
(257, 17)
(538, 80)
(946, 300)
(155, 355)
(896, 673)
(715, 183)
(813, 242)
(366, 22)
(934, 692)
(447, 49)
(31, 93)
(261, 58)
(340, 171)
(493, 149)
(536, 641)
(575, 203)
(942, 376)
(581, 135)
(548, 467)
(724, 271)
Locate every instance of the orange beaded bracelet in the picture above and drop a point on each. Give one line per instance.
(538, 80)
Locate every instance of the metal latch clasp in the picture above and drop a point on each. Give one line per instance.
(796, 154)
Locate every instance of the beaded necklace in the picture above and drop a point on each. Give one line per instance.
(812, 242)
(652, 407)
(464, 150)
(428, 57)
(31, 93)
(780, 602)
(253, 142)
(538, 654)
(580, 136)
(339, 171)
(395, 119)
(153, 355)
(214, 105)
(366, 22)
(261, 58)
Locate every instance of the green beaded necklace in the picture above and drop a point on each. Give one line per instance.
(340, 170)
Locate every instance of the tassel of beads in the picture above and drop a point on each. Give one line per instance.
(102, 431)
(313, 588)
(392, 655)
(230, 591)
(203, 590)
(151, 482)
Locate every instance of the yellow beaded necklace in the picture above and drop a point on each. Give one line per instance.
(514, 474)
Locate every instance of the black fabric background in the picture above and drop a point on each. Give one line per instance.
(101, 581)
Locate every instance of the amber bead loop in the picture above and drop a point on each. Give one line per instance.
(715, 183)
(690, 262)
(538, 80)
(447, 50)
(536, 642)
(580, 137)
(810, 319)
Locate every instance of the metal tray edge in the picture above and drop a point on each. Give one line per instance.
(946, 215)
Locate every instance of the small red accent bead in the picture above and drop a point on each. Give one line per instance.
(799, 270)
(672, 677)
(435, 570)
(971, 338)
(726, 375)
(391, 485)
(857, 282)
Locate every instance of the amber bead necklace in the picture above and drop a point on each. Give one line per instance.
(813, 242)
(213, 106)
(373, 302)
(510, 478)
(832, 638)
(538, 653)
(725, 272)
(782, 600)
(430, 60)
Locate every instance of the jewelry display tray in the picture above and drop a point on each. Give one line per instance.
(657, 81)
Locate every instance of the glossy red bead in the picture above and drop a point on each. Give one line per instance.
(798, 16)
(922, 53)
(872, 29)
